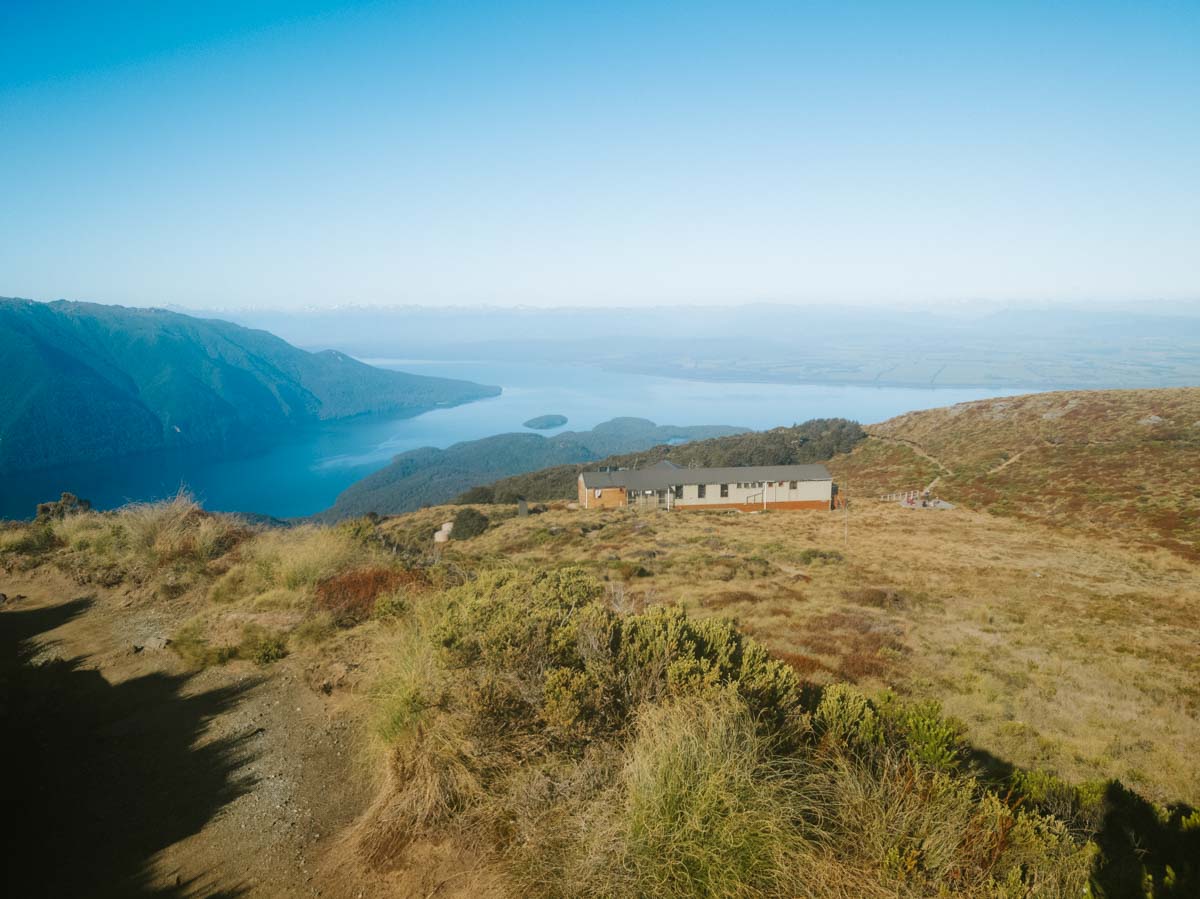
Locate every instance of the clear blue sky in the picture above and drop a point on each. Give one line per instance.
(305, 153)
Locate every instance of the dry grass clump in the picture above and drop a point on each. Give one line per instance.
(296, 560)
(316, 578)
(194, 643)
(23, 546)
(166, 545)
(701, 807)
(725, 598)
(177, 529)
(302, 580)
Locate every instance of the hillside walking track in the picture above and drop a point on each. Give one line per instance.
(918, 450)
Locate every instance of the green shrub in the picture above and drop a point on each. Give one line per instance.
(193, 646)
(1080, 807)
(261, 646)
(652, 754)
(927, 736)
(257, 645)
(1142, 849)
(392, 606)
(468, 523)
(550, 634)
(627, 570)
(809, 556)
(483, 496)
(926, 832)
(846, 718)
(66, 504)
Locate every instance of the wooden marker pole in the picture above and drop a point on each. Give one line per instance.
(846, 518)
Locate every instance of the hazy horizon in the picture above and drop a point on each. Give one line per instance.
(285, 155)
(968, 306)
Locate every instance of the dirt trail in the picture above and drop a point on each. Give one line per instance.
(1013, 458)
(915, 447)
(134, 777)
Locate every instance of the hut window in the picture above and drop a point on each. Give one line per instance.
(791, 485)
(700, 491)
(724, 490)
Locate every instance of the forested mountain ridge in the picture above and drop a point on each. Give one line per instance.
(812, 441)
(84, 381)
(428, 476)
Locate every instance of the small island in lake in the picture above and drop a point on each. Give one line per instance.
(545, 422)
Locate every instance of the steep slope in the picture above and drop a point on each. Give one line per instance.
(84, 382)
(813, 441)
(1115, 462)
(426, 476)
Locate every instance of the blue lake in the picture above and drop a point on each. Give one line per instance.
(305, 473)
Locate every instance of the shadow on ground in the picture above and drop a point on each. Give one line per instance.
(100, 777)
(1145, 851)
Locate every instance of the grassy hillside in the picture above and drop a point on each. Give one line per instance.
(813, 441)
(1119, 463)
(688, 704)
(429, 476)
(85, 382)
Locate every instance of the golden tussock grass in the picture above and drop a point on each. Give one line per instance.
(1116, 464)
(1058, 650)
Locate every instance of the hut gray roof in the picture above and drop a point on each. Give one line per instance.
(660, 477)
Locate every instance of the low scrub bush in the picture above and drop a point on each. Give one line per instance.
(650, 754)
(581, 669)
(483, 496)
(257, 644)
(66, 504)
(392, 606)
(925, 832)
(350, 597)
(877, 597)
(810, 556)
(627, 570)
(261, 646)
(33, 540)
(194, 646)
(468, 523)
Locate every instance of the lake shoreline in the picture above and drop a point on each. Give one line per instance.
(303, 471)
